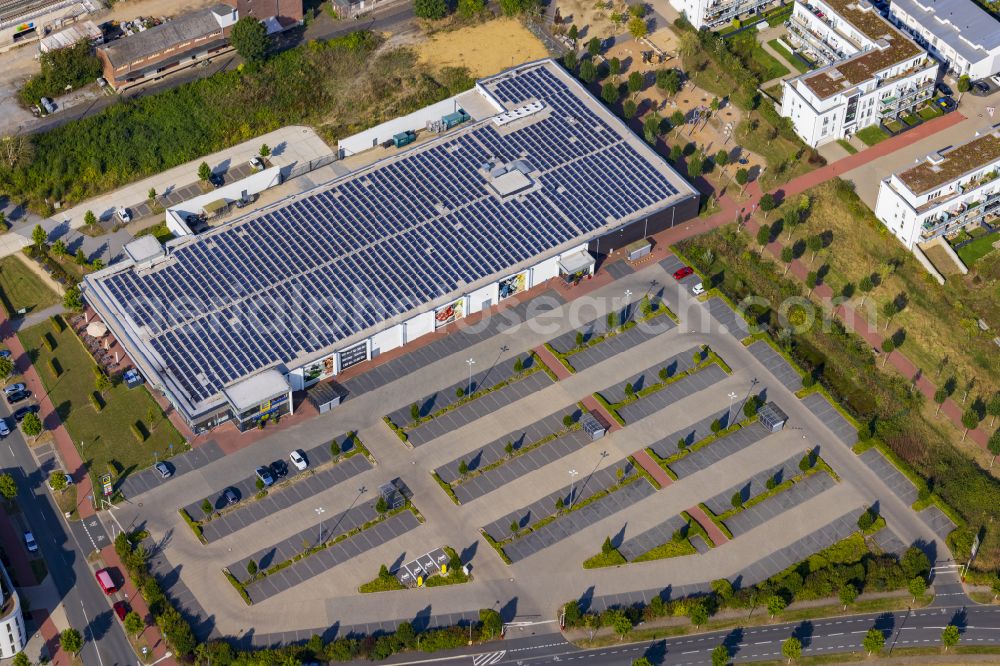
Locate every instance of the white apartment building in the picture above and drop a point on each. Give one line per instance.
(959, 33)
(717, 13)
(12, 634)
(944, 192)
(872, 72)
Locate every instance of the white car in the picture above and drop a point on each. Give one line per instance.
(698, 289)
(13, 388)
(30, 543)
(256, 164)
(48, 481)
(298, 460)
(125, 215)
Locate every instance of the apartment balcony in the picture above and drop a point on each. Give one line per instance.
(825, 54)
(960, 216)
(724, 12)
(961, 188)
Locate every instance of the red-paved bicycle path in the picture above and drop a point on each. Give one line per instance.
(647, 463)
(860, 325)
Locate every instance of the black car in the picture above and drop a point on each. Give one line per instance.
(24, 411)
(230, 496)
(18, 396)
(981, 88)
(945, 89)
(279, 469)
(217, 180)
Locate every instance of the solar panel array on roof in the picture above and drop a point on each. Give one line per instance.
(339, 260)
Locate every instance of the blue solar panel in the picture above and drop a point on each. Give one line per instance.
(300, 277)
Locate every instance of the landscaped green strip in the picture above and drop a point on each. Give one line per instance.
(788, 56)
(446, 487)
(611, 559)
(668, 550)
(496, 546)
(705, 441)
(694, 527)
(848, 146)
(715, 519)
(565, 357)
(871, 135)
(518, 452)
(609, 409)
(709, 358)
(643, 473)
(561, 358)
(396, 429)
(193, 524)
(239, 587)
(381, 584)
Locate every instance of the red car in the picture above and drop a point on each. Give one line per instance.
(121, 609)
(683, 272)
(103, 577)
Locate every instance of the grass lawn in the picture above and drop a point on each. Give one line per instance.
(158, 231)
(791, 58)
(612, 559)
(871, 135)
(21, 288)
(848, 146)
(930, 111)
(771, 67)
(669, 549)
(911, 119)
(895, 126)
(977, 249)
(104, 438)
(381, 584)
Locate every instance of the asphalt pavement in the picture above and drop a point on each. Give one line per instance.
(87, 607)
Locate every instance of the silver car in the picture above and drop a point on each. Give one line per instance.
(13, 388)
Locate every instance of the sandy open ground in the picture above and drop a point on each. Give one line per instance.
(484, 49)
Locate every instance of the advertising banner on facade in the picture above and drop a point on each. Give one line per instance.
(449, 313)
(321, 369)
(515, 284)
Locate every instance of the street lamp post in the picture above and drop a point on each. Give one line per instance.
(319, 512)
(471, 362)
(729, 419)
(572, 486)
(628, 302)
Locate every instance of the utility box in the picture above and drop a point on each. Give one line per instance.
(638, 249)
(403, 139)
(453, 119)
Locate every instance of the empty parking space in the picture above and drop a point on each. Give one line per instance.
(326, 559)
(719, 449)
(753, 486)
(304, 489)
(774, 506)
(936, 519)
(730, 321)
(671, 393)
(571, 523)
(496, 450)
(520, 466)
(619, 269)
(776, 365)
(831, 418)
(476, 409)
(456, 341)
(901, 486)
(571, 494)
(653, 537)
(668, 446)
(144, 481)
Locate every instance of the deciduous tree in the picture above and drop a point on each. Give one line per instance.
(249, 37)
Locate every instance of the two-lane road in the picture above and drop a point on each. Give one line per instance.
(87, 608)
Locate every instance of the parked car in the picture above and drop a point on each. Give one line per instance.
(20, 396)
(104, 579)
(24, 411)
(48, 481)
(981, 89)
(14, 388)
(299, 460)
(230, 496)
(279, 469)
(102, 82)
(4, 353)
(945, 89)
(29, 542)
(256, 164)
(947, 104)
(217, 180)
(121, 609)
(683, 272)
(163, 469)
(264, 474)
(124, 214)
(4, 428)
(698, 289)
(48, 105)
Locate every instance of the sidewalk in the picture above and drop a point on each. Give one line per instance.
(551, 362)
(655, 471)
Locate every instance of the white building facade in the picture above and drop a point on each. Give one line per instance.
(945, 192)
(13, 636)
(872, 72)
(718, 13)
(959, 33)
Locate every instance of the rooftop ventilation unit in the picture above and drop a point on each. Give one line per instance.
(506, 117)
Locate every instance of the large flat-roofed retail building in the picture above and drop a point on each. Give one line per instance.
(538, 178)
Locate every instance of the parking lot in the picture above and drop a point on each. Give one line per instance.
(137, 483)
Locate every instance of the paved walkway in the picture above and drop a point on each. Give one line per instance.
(552, 363)
(717, 536)
(858, 322)
(655, 471)
(50, 419)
